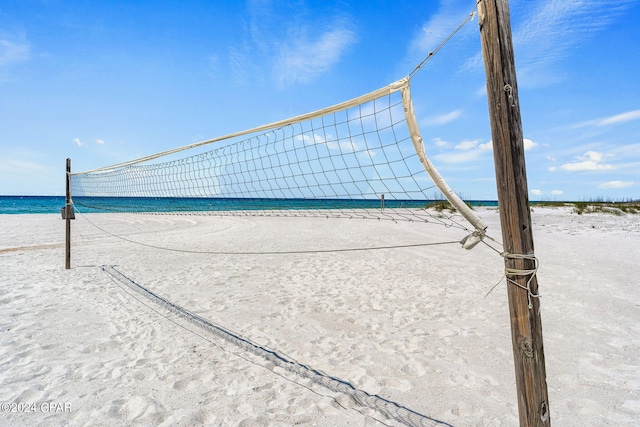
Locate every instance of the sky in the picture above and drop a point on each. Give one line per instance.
(106, 82)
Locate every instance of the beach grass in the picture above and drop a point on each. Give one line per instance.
(443, 205)
(589, 207)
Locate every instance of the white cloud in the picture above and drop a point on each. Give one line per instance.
(440, 142)
(458, 156)
(552, 168)
(367, 154)
(486, 146)
(617, 184)
(590, 161)
(100, 141)
(467, 145)
(349, 146)
(443, 118)
(537, 192)
(77, 141)
(465, 151)
(593, 156)
(311, 139)
(528, 145)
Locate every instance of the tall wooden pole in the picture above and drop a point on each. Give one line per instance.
(67, 214)
(515, 218)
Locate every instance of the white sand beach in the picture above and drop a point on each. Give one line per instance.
(409, 325)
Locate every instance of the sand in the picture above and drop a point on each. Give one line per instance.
(411, 326)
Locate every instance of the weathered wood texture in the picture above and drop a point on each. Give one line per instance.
(67, 258)
(515, 218)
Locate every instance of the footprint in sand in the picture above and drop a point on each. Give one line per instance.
(143, 410)
(244, 408)
(414, 369)
(397, 384)
(446, 333)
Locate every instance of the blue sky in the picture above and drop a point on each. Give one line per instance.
(105, 82)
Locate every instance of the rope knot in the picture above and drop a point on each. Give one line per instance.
(512, 272)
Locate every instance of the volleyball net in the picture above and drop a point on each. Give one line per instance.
(362, 158)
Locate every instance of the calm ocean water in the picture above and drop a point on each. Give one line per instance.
(53, 204)
(31, 204)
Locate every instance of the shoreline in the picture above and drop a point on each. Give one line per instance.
(631, 206)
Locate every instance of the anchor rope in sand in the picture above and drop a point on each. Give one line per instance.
(384, 406)
(149, 305)
(291, 252)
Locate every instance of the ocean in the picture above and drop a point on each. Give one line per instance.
(31, 204)
(53, 204)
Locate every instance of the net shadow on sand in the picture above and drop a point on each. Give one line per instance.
(387, 408)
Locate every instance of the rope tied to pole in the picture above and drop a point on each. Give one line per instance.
(513, 272)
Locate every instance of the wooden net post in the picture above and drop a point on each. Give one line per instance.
(67, 214)
(515, 216)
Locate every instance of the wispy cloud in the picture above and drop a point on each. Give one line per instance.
(610, 121)
(616, 184)
(439, 26)
(590, 161)
(620, 118)
(546, 31)
(304, 58)
(442, 119)
(20, 166)
(293, 49)
(345, 145)
(12, 52)
(25, 167)
(77, 141)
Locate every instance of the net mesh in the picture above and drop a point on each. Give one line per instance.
(356, 159)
